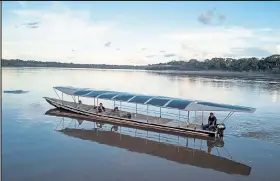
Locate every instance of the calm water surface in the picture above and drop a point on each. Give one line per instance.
(33, 148)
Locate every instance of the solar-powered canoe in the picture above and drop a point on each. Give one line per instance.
(153, 116)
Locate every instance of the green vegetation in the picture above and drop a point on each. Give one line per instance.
(32, 63)
(269, 64)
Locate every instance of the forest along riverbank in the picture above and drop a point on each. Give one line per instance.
(264, 68)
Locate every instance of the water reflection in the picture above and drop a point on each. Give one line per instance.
(183, 150)
(252, 83)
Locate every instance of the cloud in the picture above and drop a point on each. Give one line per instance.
(249, 52)
(206, 18)
(220, 41)
(107, 44)
(32, 25)
(278, 49)
(211, 17)
(60, 29)
(221, 18)
(169, 55)
(184, 46)
(150, 56)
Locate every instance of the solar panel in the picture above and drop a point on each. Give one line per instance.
(178, 104)
(124, 97)
(82, 92)
(223, 106)
(141, 99)
(95, 93)
(108, 95)
(158, 101)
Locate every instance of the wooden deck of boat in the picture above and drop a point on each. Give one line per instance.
(134, 116)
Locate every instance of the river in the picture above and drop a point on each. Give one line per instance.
(32, 149)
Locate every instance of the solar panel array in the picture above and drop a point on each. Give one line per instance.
(158, 101)
(135, 98)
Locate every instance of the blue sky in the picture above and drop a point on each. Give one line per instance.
(139, 32)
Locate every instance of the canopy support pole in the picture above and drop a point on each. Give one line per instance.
(62, 98)
(228, 116)
(136, 111)
(114, 104)
(179, 119)
(202, 118)
(57, 94)
(160, 112)
(120, 105)
(94, 101)
(147, 112)
(74, 98)
(188, 120)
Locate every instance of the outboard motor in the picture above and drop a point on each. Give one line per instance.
(220, 129)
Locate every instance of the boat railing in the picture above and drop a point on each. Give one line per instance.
(144, 110)
(180, 116)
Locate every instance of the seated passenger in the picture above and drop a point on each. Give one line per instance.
(116, 109)
(212, 121)
(101, 108)
(80, 102)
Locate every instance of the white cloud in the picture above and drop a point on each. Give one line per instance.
(220, 41)
(278, 48)
(57, 34)
(73, 36)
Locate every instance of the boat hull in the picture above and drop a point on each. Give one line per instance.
(87, 111)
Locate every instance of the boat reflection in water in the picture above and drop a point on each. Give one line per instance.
(183, 150)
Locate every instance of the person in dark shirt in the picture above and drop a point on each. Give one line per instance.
(116, 109)
(101, 108)
(212, 121)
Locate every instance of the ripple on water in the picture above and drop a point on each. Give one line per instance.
(268, 135)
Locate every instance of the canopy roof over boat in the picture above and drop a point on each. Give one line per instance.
(159, 101)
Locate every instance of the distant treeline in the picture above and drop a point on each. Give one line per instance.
(32, 63)
(268, 64)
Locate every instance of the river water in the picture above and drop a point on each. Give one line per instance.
(33, 148)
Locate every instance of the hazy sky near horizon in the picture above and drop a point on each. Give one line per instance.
(138, 32)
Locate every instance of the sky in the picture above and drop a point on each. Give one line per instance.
(138, 33)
